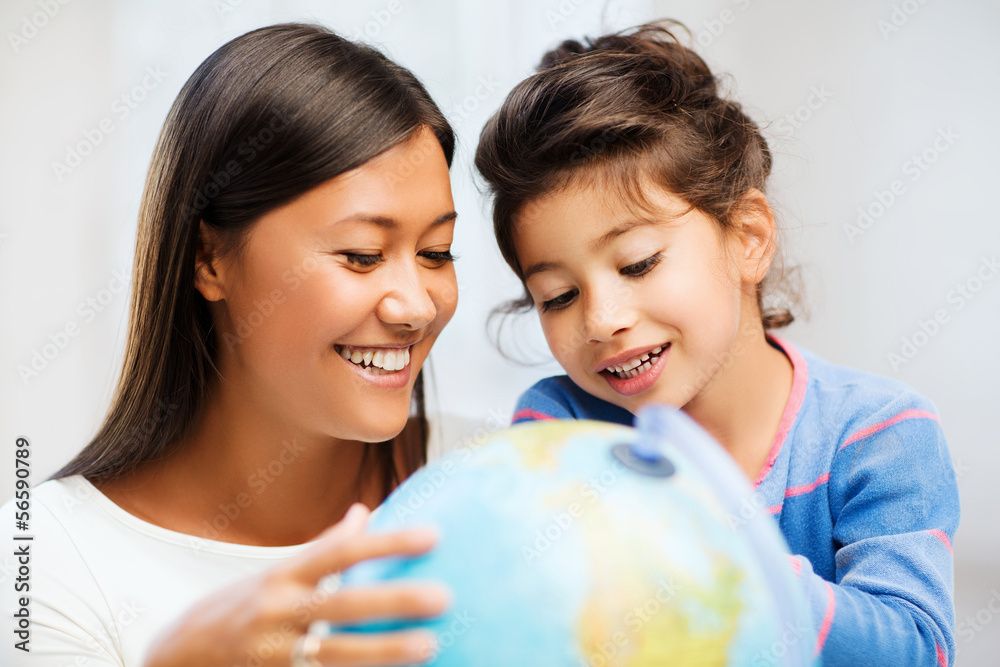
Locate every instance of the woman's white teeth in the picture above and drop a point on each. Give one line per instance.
(376, 360)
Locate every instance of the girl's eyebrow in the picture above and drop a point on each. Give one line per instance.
(623, 228)
(539, 267)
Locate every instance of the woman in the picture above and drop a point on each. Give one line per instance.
(292, 272)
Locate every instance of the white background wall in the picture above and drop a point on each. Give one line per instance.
(892, 76)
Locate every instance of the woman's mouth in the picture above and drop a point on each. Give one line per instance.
(376, 360)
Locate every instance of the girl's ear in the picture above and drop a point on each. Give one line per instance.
(757, 236)
(209, 274)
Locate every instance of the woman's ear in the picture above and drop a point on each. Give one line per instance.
(209, 274)
(758, 236)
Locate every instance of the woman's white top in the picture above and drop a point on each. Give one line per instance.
(101, 584)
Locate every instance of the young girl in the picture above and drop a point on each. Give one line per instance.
(292, 272)
(629, 200)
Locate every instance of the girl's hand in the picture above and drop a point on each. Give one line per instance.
(257, 621)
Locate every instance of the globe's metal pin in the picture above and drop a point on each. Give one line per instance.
(644, 459)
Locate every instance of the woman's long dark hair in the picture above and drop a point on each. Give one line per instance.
(267, 117)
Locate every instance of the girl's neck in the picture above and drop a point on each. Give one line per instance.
(742, 405)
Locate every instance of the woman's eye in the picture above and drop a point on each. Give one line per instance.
(641, 268)
(560, 301)
(363, 260)
(439, 256)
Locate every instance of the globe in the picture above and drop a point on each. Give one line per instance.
(584, 543)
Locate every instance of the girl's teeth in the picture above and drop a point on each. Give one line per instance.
(636, 367)
(377, 358)
(357, 356)
(389, 361)
(368, 357)
(345, 353)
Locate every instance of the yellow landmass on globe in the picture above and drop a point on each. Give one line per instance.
(541, 444)
(642, 613)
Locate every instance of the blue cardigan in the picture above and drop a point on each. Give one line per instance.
(861, 484)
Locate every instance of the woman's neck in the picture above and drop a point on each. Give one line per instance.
(242, 477)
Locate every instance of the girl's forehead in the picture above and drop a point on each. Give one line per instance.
(611, 193)
(588, 209)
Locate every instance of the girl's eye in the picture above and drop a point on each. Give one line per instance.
(560, 301)
(641, 268)
(440, 257)
(366, 261)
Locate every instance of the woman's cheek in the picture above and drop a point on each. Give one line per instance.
(446, 297)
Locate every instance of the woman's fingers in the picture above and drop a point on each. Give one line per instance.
(345, 544)
(408, 647)
(387, 601)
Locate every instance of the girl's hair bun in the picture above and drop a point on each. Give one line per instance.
(654, 43)
(568, 49)
(627, 108)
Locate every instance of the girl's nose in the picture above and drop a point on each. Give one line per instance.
(606, 317)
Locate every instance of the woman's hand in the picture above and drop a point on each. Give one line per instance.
(257, 621)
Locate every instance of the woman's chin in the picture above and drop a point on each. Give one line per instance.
(385, 428)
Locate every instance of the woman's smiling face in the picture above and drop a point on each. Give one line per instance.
(329, 310)
(636, 309)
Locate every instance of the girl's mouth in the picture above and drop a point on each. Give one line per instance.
(637, 366)
(638, 374)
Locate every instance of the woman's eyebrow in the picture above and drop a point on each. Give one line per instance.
(391, 223)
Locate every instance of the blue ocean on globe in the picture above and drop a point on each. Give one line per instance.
(582, 543)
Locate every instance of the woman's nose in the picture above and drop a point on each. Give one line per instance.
(407, 302)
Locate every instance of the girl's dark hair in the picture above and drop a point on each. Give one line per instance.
(623, 107)
(267, 117)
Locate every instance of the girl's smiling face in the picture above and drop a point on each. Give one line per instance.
(327, 313)
(638, 308)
